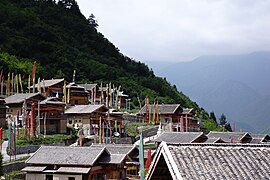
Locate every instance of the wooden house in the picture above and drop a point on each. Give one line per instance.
(65, 162)
(231, 137)
(77, 95)
(210, 161)
(52, 118)
(51, 87)
(15, 102)
(181, 137)
(88, 117)
(171, 116)
(114, 101)
(80, 163)
(92, 92)
(122, 160)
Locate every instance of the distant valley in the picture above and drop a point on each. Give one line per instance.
(236, 85)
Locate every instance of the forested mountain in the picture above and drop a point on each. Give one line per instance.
(237, 85)
(61, 39)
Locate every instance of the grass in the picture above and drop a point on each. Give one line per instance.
(22, 139)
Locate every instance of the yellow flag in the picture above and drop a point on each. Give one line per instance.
(8, 85)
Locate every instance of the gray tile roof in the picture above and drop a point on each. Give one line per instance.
(180, 137)
(66, 155)
(214, 161)
(187, 110)
(34, 169)
(214, 140)
(262, 137)
(48, 83)
(118, 152)
(83, 109)
(117, 148)
(73, 170)
(162, 108)
(113, 159)
(88, 86)
(52, 100)
(235, 137)
(19, 98)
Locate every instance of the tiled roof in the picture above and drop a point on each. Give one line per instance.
(73, 85)
(88, 86)
(235, 137)
(213, 161)
(73, 170)
(19, 98)
(180, 137)
(48, 83)
(263, 138)
(214, 140)
(34, 169)
(118, 152)
(83, 109)
(187, 111)
(162, 108)
(52, 100)
(66, 155)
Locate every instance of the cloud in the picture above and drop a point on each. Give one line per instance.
(176, 30)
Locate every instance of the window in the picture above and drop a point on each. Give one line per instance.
(71, 178)
(49, 177)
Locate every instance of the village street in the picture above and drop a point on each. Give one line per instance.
(6, 157)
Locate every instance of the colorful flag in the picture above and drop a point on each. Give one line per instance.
(1, 136)
(12, 84)
(141, 158)
(23, 113)
(110, 94)
(43, 84)
(29, 83)
(14, 138)
(20, 81)
(2, 85)
(100, 131)
(8, 85)
(65, 93)
(157, 118)
(101, 91)
(39, 87)
(107, 95)
(33, 121)
(148, 161)
(68, 95)
(74, 75)
(147, 109)
(33, 75)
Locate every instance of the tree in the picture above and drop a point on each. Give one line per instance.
(92, 21)
(213, 117)
(228, 127)
(222, 120)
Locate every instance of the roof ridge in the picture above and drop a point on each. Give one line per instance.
(220, 144)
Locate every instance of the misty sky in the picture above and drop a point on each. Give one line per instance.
(180, 30)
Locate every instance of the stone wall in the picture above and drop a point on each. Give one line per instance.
(26, 149)
(13, 166)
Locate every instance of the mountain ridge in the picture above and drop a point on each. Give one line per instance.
(242, 79)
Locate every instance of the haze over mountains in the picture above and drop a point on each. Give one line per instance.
(236, 85)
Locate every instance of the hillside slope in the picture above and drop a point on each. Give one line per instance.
(61, 39)
(237, 85)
